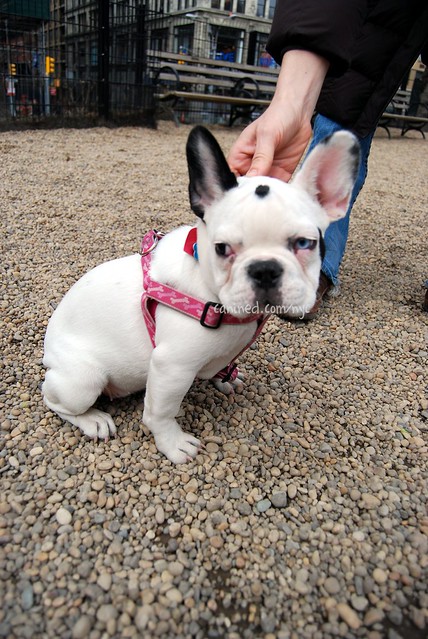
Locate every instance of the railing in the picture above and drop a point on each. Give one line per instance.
(60, 70)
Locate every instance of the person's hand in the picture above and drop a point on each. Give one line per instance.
(274, 143)
(271, 145)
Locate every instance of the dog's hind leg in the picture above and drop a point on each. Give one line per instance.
(71, 396)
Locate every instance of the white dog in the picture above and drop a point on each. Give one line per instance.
(259, 243)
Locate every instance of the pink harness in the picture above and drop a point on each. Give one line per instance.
(209, 314)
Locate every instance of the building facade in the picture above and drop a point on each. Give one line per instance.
(234, 30)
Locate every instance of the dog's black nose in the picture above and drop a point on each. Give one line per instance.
(265, 273)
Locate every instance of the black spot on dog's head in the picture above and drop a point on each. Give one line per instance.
(262, 190)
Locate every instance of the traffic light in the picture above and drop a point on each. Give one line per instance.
(50, 65)
(12, 68)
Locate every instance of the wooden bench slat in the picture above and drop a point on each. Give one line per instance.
(216, 83)
(406, 118)
(211, 97)
(191, 60)
(184, 69)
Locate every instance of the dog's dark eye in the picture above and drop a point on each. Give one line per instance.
(304, 244)
(223, 250)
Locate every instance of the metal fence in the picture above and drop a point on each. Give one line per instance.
(91, 61)
(75, 61)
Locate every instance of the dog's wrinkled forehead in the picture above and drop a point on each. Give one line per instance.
(269, 194)
(266, 195)
(263, 186)
(263, 210)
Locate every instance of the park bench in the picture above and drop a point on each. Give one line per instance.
(246, 90)
(403, 114)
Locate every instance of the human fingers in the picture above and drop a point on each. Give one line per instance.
(242, 151)
(261, 163)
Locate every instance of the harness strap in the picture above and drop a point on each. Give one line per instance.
(209, 314)
(230, 372)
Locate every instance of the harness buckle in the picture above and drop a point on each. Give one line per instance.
(217, 307)
(157, 235)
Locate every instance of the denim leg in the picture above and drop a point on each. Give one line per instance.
(337, 233)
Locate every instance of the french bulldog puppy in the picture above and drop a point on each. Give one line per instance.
(259, 244)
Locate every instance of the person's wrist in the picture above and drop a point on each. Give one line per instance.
(300, 81)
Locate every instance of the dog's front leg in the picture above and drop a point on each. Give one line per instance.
(168, 382)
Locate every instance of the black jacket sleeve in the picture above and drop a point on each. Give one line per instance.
(325, 27)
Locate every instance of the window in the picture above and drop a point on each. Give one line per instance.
(72, 28)
(256, 48)
(82, 21)
(272, 5)
(121, 50)
(123, 11)
(240, 6)
(159, 39)
(261, 6)
(81, 54)
(227, 44)
(215, 4)
(94, 53)
(93, 19)
(228, 5)
(183, 39)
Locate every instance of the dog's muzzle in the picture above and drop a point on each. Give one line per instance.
(265, 274)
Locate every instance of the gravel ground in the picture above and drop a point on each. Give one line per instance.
(306, 515)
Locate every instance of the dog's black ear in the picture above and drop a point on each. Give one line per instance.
(209, 173)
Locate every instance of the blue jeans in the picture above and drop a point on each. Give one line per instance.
(337, 233)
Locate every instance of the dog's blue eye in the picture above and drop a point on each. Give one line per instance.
(223, 250)
(304, 244)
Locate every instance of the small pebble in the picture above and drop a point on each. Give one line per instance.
(28, 597)
(279, 500)
(63, 516)
(82, 628)
(104, 581)
(142, 617)
(38, 450)
(358, 535)
(380, 576)
(291, 491)
(349, 616)
(263, 505)
(359, 603)
(372, 616)
(332, 585)
(105, 465)
(159, 515)
(174, 595)
(106, 612)
(370, 501)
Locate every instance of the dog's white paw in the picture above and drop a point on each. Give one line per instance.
(178, 446)
(229, 388)
(96, 424)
